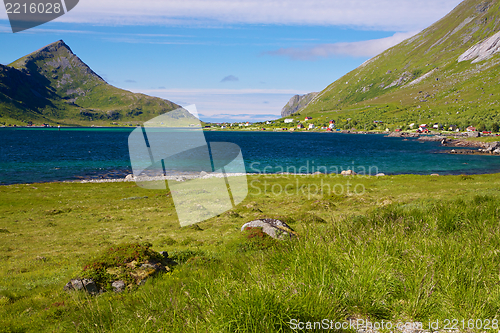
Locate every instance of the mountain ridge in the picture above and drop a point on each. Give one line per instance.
(53, 85)
(421, 79)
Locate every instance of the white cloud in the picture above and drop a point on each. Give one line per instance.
(227, 117)
(396, 15)
(367, 48)
(213, 102)
(223, 91)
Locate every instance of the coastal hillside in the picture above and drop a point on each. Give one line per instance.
(52, 85)
(297, 103)
(446, 74)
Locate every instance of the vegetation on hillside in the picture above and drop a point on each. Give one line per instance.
(405, 248)
(386, 87)
(53, 86)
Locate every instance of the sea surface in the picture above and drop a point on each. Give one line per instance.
(29, 155)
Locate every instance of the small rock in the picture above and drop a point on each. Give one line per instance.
(434, 174)
(274, 228)
(381, 174)
(347, 173)
(148, 265)
(82, 284)
(90, 286)
(494, 145)
(203, 174)
(496, 151)
(75, 284)
(129, 177)
(317, 173)
(118, 286)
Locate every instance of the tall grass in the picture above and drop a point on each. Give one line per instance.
(419, 261)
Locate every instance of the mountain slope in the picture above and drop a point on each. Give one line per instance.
(297, 103)
(53, 85)
(421, 78)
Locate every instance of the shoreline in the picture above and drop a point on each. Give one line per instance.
(269, 175)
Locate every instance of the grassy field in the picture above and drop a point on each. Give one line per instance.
(393, 248)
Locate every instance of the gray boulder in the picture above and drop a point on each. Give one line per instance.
(74, 284)
(491, 146)
(90, 286)
(118, 286)
(395, 135)
(274, 228)
(82, 284)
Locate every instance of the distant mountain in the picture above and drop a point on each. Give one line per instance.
(53, 85)
(448, 73)
(296, 103)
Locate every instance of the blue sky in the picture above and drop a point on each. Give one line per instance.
(236, 60)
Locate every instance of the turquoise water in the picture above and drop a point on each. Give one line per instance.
(44, 155)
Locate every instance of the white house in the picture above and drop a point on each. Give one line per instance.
(331, 126)
(288, 120)
(311, 126)
(268, 122)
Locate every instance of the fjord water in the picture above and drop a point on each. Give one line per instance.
(44, 155)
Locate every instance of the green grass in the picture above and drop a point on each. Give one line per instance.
(406, 247)
(455, 93)
(485, 139)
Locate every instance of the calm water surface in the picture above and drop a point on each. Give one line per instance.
(44, 155)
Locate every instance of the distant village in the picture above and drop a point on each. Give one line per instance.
(308, 124)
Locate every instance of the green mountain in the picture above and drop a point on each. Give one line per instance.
(52, 85)
(449, 73)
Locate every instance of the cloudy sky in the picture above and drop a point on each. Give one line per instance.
(234, 59)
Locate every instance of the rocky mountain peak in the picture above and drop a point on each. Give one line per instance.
(296, 103)
(54, 61)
